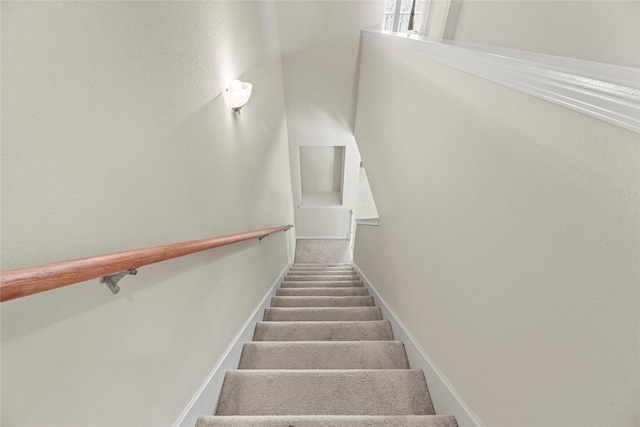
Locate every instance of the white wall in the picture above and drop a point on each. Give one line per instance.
(605, 31)
(320, 48)
(508, 240)
(115, 137)
(366, 208)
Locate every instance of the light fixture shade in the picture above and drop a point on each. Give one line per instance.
(235, 99)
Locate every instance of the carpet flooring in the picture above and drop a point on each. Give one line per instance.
(324, 356)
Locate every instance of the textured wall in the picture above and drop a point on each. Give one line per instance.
(508, 240)
(319, 56)
(115, 137)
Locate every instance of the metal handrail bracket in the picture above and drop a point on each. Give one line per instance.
(112, 280)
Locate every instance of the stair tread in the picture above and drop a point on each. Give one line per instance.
(322, 301)
(321, 273)
(324, 355)
(325, 264)
(322, 313)
(321, 277)
(321, 284)
(308, 271)
(371, 330)
(328, 421)
(325, 392)
(320, 292)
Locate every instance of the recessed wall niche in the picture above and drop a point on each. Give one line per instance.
(321, 175)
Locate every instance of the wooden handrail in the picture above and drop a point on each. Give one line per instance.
(31, 280)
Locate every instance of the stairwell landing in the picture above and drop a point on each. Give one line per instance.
(324, 356)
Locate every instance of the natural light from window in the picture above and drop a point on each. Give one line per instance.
(397, 14)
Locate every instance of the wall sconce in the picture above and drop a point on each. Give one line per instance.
(236, 95)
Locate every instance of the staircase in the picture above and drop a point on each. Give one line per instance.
(323, 356)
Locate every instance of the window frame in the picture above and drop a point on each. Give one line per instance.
(395, 25)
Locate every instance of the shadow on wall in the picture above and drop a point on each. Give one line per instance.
(354, 91)
(331, 96)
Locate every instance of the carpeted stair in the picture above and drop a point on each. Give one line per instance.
(323, 356)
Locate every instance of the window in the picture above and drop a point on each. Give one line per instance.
(397, 14)
(389, 13)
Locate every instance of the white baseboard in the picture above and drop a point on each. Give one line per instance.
(445, 398)
(205, 400)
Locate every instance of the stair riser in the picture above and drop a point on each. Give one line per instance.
(343, 264)
(335, 392)
(310, 292)
(324, 355)
(321, 274)
(321, 284)
(322, 314)
(329, 421)
(358, 301)
(291, 277)
(327, 273)
(323, 331)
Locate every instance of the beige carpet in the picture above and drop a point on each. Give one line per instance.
(324, 356)
(323, 251)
